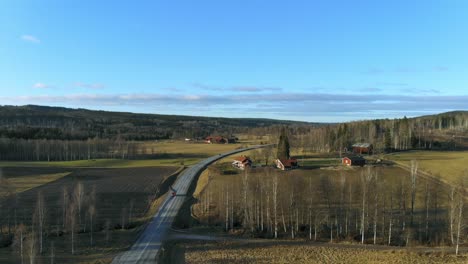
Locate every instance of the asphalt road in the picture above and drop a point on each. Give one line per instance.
(147, 246)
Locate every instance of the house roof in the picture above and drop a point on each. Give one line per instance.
(288, 162)
(242, 159)
(216, 138)
(362, 145)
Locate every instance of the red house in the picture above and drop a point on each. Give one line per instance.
(286, 164)
(217, 140)
(220, 140)
(354, 161)
(242, 162)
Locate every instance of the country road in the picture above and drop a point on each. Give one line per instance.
(147, 246)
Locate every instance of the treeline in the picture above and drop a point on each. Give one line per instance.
(67, 150)
(368, 209)
(443, 132)
(28, 126)
(41, 122)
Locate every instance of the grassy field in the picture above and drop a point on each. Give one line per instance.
(104, 163)
(187, 148)
(450, 166)
(160, 153)
(306, 252)
(124, 196)
(23, 183)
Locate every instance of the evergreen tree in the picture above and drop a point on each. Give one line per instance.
(283, 145)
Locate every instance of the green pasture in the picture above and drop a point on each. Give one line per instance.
(450, 166)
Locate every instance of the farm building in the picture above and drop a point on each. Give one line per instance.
(216, 140)
(220, 140)
(242, 162)
(286, 164)
(362, 148)
(232, 139)
(354, 161)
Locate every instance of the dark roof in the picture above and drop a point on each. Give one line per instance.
(355, 158)
(289, 162)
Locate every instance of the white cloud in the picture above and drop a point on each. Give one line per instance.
(247, 89)
(30, 38)
(192, 97)
(278, 105)
(40, 85)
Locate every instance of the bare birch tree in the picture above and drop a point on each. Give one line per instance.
(366, 177)
(227, 209)
(78, 195)
(91, 214)
(376, 205)
(245, 187)
(31, 247)
(40, 218)
(452, 212)
(52, 252)
(71, 223)
(65, 201)
(414, 175)
(390, 220)
(460, 219)
(275, 203)
(18, 242)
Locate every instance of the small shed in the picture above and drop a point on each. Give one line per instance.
(286, 164)
(354, 161)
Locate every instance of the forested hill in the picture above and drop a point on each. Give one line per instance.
(446, 131)
(43, 122)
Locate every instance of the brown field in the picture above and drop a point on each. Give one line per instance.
(307, 252)
(124, 192)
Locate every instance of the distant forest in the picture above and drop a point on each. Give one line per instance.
(55, 133)
(42, 133)
(43, 122)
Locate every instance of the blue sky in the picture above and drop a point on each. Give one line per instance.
(322, 61)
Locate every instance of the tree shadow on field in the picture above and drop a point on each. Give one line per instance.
(245, 244)
(32, 171)
(309, 167)
(172, 156)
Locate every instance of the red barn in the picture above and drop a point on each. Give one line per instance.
(362, 148)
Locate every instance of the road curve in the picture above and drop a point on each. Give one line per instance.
(146, 248)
